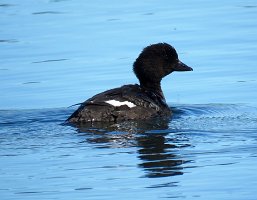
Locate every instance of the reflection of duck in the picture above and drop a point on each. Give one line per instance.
(131, 102)
(157, 155)
(157, 158)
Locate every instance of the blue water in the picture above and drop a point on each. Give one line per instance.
(56, 53)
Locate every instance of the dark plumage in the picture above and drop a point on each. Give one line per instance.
(134, 102)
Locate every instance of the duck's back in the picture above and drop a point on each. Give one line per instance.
(129, 102)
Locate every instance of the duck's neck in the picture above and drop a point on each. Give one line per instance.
(154, 87)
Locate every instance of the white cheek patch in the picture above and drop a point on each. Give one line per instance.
(119, 103)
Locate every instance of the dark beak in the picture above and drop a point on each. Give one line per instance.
(182, 67)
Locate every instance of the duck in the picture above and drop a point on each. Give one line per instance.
(135, 101)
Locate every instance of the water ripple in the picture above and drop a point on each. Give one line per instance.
(46, 12)
(214, 117)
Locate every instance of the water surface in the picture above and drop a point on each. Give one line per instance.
(56, 53)
(204, 151)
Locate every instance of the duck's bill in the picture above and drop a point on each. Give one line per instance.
(182, 67)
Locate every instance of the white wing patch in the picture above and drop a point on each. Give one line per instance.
(119, 103)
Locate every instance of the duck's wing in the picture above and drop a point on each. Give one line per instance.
(118, 104)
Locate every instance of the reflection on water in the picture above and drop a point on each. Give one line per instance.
(158, 156)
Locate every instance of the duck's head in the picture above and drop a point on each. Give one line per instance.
(155, 62)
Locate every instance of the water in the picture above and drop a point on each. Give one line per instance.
(57, 53)
(205, 151)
